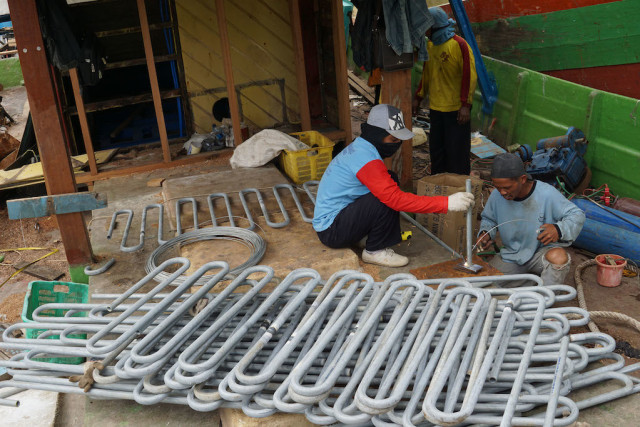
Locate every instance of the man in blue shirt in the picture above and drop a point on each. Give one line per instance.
(535, 222)
(358, 197)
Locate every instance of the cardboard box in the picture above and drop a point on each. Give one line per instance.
(451, 227)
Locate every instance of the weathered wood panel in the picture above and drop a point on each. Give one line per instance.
(261, 49)
(489, 10)
(592, 36)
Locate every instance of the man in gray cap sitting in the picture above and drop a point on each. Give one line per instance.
(359, 198)
(535, 222)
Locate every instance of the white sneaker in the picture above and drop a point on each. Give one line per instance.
(385, 257)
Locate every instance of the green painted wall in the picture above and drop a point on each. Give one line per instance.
(605, 34)
(532, 106)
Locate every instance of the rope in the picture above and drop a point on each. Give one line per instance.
(612, 315)
(85, 381)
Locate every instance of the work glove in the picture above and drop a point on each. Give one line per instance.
(460, 202)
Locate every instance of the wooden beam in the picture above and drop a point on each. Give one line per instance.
(82, 117)
(153, 78)
(228, 71)
(84, 178)
(36, 207)
(396, 91)
(124, 101)
(47, 124)
(301, 71)
(358, 85)
(340, 57)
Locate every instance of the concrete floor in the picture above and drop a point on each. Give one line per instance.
(288, 248)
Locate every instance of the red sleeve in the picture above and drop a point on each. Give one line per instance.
(466, 70)
(377, 179)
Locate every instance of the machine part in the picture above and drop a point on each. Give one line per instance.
(574, 138)
(523, 151)
(561, 156)
(468, 265)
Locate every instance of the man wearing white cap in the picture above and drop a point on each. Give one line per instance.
(358, 197)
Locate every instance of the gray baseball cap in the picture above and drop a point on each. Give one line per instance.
(389, 118)
(507, 165)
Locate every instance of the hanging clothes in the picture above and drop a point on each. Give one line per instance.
(68, 45)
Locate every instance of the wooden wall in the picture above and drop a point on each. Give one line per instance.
(261, 49)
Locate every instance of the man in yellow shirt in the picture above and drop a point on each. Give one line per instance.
(449, 77)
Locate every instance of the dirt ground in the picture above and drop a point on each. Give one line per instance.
(26, 233)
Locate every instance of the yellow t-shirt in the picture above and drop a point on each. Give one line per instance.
(442, 76)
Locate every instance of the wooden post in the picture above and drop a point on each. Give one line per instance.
(301, 71)
(228, 72)
(56, 164)
(84, 125)
(342, 79)
(153, 78)
(396, 91)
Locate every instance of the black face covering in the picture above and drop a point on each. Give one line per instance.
(375, 135)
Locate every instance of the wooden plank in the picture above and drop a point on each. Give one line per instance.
(396, 91)
(611, 78)
(489, 10)
(228, 71)
(153, 78)
(82, 116)
(566, 39)
(124, 101)
(448, 269)
(40, 271)
(340, 57)
(48, 126)
(301, 71)
(196, 158)
(362, 88)
(36, 207)
(32, 173)
(139, 61)
(129, 30)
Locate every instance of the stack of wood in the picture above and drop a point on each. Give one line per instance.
(8, 148)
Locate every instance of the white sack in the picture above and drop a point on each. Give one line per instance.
(263, 147)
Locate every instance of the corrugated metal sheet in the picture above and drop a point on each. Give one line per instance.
(261, 50)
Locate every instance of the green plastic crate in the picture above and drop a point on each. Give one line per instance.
(40, 293)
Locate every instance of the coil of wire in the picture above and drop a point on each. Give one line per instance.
(248, 238)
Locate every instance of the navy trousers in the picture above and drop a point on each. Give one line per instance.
(366, 216)
(449, 143)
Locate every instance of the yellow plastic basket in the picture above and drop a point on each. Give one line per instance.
(307, 165)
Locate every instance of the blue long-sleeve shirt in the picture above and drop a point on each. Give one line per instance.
(544, 205)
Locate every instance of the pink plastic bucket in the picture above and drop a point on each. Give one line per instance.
(610, 275)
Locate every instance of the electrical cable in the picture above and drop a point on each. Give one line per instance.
(250, 239)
